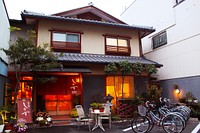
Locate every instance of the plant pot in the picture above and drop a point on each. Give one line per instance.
(101, 109)
(95, 108)
(42, 124)
(1, 128)
(8, 127)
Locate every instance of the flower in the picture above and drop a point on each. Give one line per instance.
(21, 126)
(44, 120)
(49, 119)
(39, 119)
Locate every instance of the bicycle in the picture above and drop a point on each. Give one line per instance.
(168, 106)
(149, 116)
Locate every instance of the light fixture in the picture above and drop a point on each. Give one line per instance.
(177, 91)
(77, 80)
(176, 88)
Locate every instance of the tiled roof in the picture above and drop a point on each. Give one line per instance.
(92, 9)
(99, 58)
(41, 15)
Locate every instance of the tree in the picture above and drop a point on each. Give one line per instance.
(111, 68)
(137, 68)
(151, 69)
(125, 68)
(24, 55)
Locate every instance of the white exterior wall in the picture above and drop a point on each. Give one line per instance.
(4, 31)
(92, 39)
(148, 12)
(180, 56)
(4, 43)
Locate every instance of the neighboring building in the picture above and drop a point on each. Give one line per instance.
(88, 39)
(175, 44)
(4, 43)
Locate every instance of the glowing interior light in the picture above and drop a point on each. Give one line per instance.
(177, 91)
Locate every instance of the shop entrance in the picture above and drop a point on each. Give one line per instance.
(58, 104)
(57, 97)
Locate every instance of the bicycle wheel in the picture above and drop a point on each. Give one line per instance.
(140, 124)
(182, 117)
(182, 112)
(172, 123)
(151, 125)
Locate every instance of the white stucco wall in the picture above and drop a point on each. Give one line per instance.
(182, 22)
(92, 39)
(158, 14)
(148, 12)
(4, 31)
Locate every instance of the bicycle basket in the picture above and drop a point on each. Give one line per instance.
(142, 110)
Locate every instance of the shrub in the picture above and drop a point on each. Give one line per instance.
(74, 113)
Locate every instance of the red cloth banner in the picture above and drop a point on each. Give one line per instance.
(24, 109)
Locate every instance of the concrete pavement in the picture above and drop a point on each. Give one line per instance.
(116, 128)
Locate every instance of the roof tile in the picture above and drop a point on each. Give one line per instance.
(99, 58)
(41, 15)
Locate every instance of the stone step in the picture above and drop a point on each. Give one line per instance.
(61, 120)
(63, 123)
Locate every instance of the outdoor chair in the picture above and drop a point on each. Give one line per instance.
(107, 114)
(82, 117)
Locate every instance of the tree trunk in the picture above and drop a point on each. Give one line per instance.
(115, 88)
(123, 86)
(17, 86)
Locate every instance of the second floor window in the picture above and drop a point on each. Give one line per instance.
(117, 45)
(159, 40)
(65, 41)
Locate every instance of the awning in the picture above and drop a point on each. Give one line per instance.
(99, 58)
(77, 70)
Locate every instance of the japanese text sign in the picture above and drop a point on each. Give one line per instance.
(24, 109)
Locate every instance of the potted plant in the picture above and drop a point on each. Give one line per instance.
(42, 123)
(97, 106)
(40, 120)
(48, 119)
(43, 119)
(1, 126)
(20, 126)
(7, 120)
(3, 112)
(74, 113)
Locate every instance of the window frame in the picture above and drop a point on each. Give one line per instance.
(66, 46)
(117, 50)
(161, 37)
(129, 79)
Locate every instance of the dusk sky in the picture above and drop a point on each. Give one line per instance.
(15, 7)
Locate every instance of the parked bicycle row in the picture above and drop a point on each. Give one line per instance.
(167, 106)
(170, 117)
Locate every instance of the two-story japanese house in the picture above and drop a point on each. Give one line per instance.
(88, 39)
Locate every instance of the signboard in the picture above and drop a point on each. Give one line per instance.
(24, 109)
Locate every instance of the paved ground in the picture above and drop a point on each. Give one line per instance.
(116, 128)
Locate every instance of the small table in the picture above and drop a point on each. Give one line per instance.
(98, 121)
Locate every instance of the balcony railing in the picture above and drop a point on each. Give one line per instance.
(118, 50)
(66, 46)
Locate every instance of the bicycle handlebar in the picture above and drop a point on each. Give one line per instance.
(150, 105)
